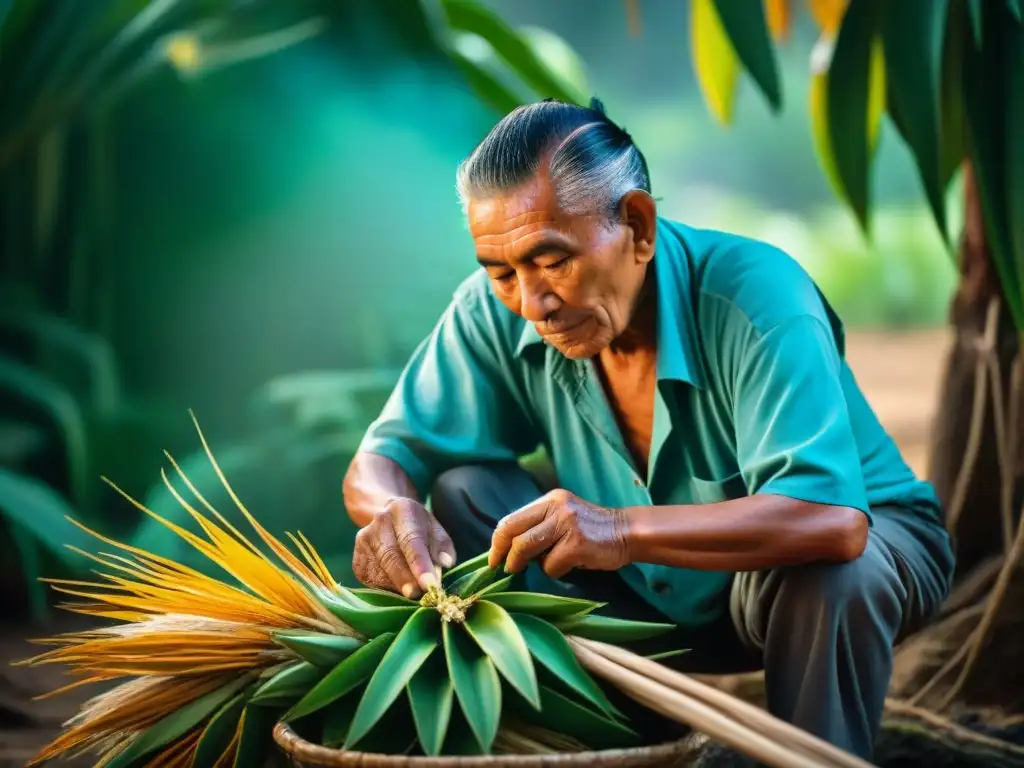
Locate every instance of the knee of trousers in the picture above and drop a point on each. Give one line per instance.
(863, 598)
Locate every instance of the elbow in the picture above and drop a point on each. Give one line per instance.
(850, 535)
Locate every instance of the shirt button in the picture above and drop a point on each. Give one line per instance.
(638, 483)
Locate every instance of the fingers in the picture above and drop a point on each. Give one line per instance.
(563, 557)
(389, 556)
(442, 550)
(512, 525)
(412, 526)
(530, 544)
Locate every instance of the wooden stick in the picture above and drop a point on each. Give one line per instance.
(729, 705)
(681, 708)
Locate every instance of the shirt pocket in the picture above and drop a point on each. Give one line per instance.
(713, 491)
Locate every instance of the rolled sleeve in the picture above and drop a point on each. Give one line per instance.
(453, 403)
(793, 429)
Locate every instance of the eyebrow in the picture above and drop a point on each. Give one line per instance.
(541, 248)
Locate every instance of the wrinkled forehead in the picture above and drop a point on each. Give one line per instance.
(512, 224)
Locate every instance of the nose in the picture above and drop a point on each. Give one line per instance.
(536, 302)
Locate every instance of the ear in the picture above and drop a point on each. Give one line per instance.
(639, 212)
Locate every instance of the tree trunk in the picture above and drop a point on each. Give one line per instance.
(975, 517)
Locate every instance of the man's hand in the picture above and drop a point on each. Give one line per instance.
(400, 548)
(567, 531)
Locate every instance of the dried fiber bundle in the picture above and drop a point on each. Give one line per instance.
(204, 669)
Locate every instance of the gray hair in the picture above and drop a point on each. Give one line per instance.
(592, 162)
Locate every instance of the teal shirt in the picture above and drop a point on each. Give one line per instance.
(753, 396)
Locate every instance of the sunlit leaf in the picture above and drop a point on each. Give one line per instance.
(381, 597)
(914, 33)
(351, 672)
(431, 696)
(460, 570)
(496, 633)
(413, 645)
(609, 629)
(474, 581)
(549, 646)
(744, 22)
(714, 60)
(476, 682)
(542, 605)
(318, 648)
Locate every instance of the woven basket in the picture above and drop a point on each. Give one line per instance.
(304, 754)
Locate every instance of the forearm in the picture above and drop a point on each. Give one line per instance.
(371, 480)
(748, 534)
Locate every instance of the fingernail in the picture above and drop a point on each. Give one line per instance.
(408, 589)
(447, 561)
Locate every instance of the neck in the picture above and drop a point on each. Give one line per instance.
(641, 333)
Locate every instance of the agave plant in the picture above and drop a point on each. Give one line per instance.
(205, 668)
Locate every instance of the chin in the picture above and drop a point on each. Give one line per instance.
(575, 349)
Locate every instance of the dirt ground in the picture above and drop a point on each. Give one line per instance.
(900, 375)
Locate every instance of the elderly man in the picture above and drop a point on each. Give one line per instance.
(717, 465)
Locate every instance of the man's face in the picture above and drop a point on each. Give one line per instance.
(576, 278)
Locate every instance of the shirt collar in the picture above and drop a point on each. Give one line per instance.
(677, 338)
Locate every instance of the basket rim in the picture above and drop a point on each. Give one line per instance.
(294, 745)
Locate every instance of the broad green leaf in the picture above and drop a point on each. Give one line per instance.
(219, 731)
(986, 80)
(476, 682)
(914, 33)
(496, 633)
(542, 605)
(318, 648)
(745, 24)
(1013, 35)
(847, 102)
(1016, 8)
(177, 723)
(431, 696)
(256, 739)
(473, 581)
(372, 621)
(714, 60)
(549, 646)
(460, 739)
(350, 673)
(288, 684)
(381, 597)
(413, 645)
(498, 586)
(563, 715)
(461, 569)
(472, 17)
(609, 629)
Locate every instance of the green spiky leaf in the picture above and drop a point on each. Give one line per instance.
(561, 714)
(460, 570)
(473, 582)
(431, 695)
(350, 673)
(496, 633)
(177, 724)
(256, 739)
(413, 645)
(543, 605)
(220, 730)
(289, 684)
(372, 621)
(381, 597)
(747, 26)
(318, 648)
(477, 685)
(549, 646)
(499, 586)
(609, 629)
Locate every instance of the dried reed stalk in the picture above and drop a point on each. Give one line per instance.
(722, 717)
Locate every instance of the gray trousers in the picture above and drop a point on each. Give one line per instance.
(824, 634)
